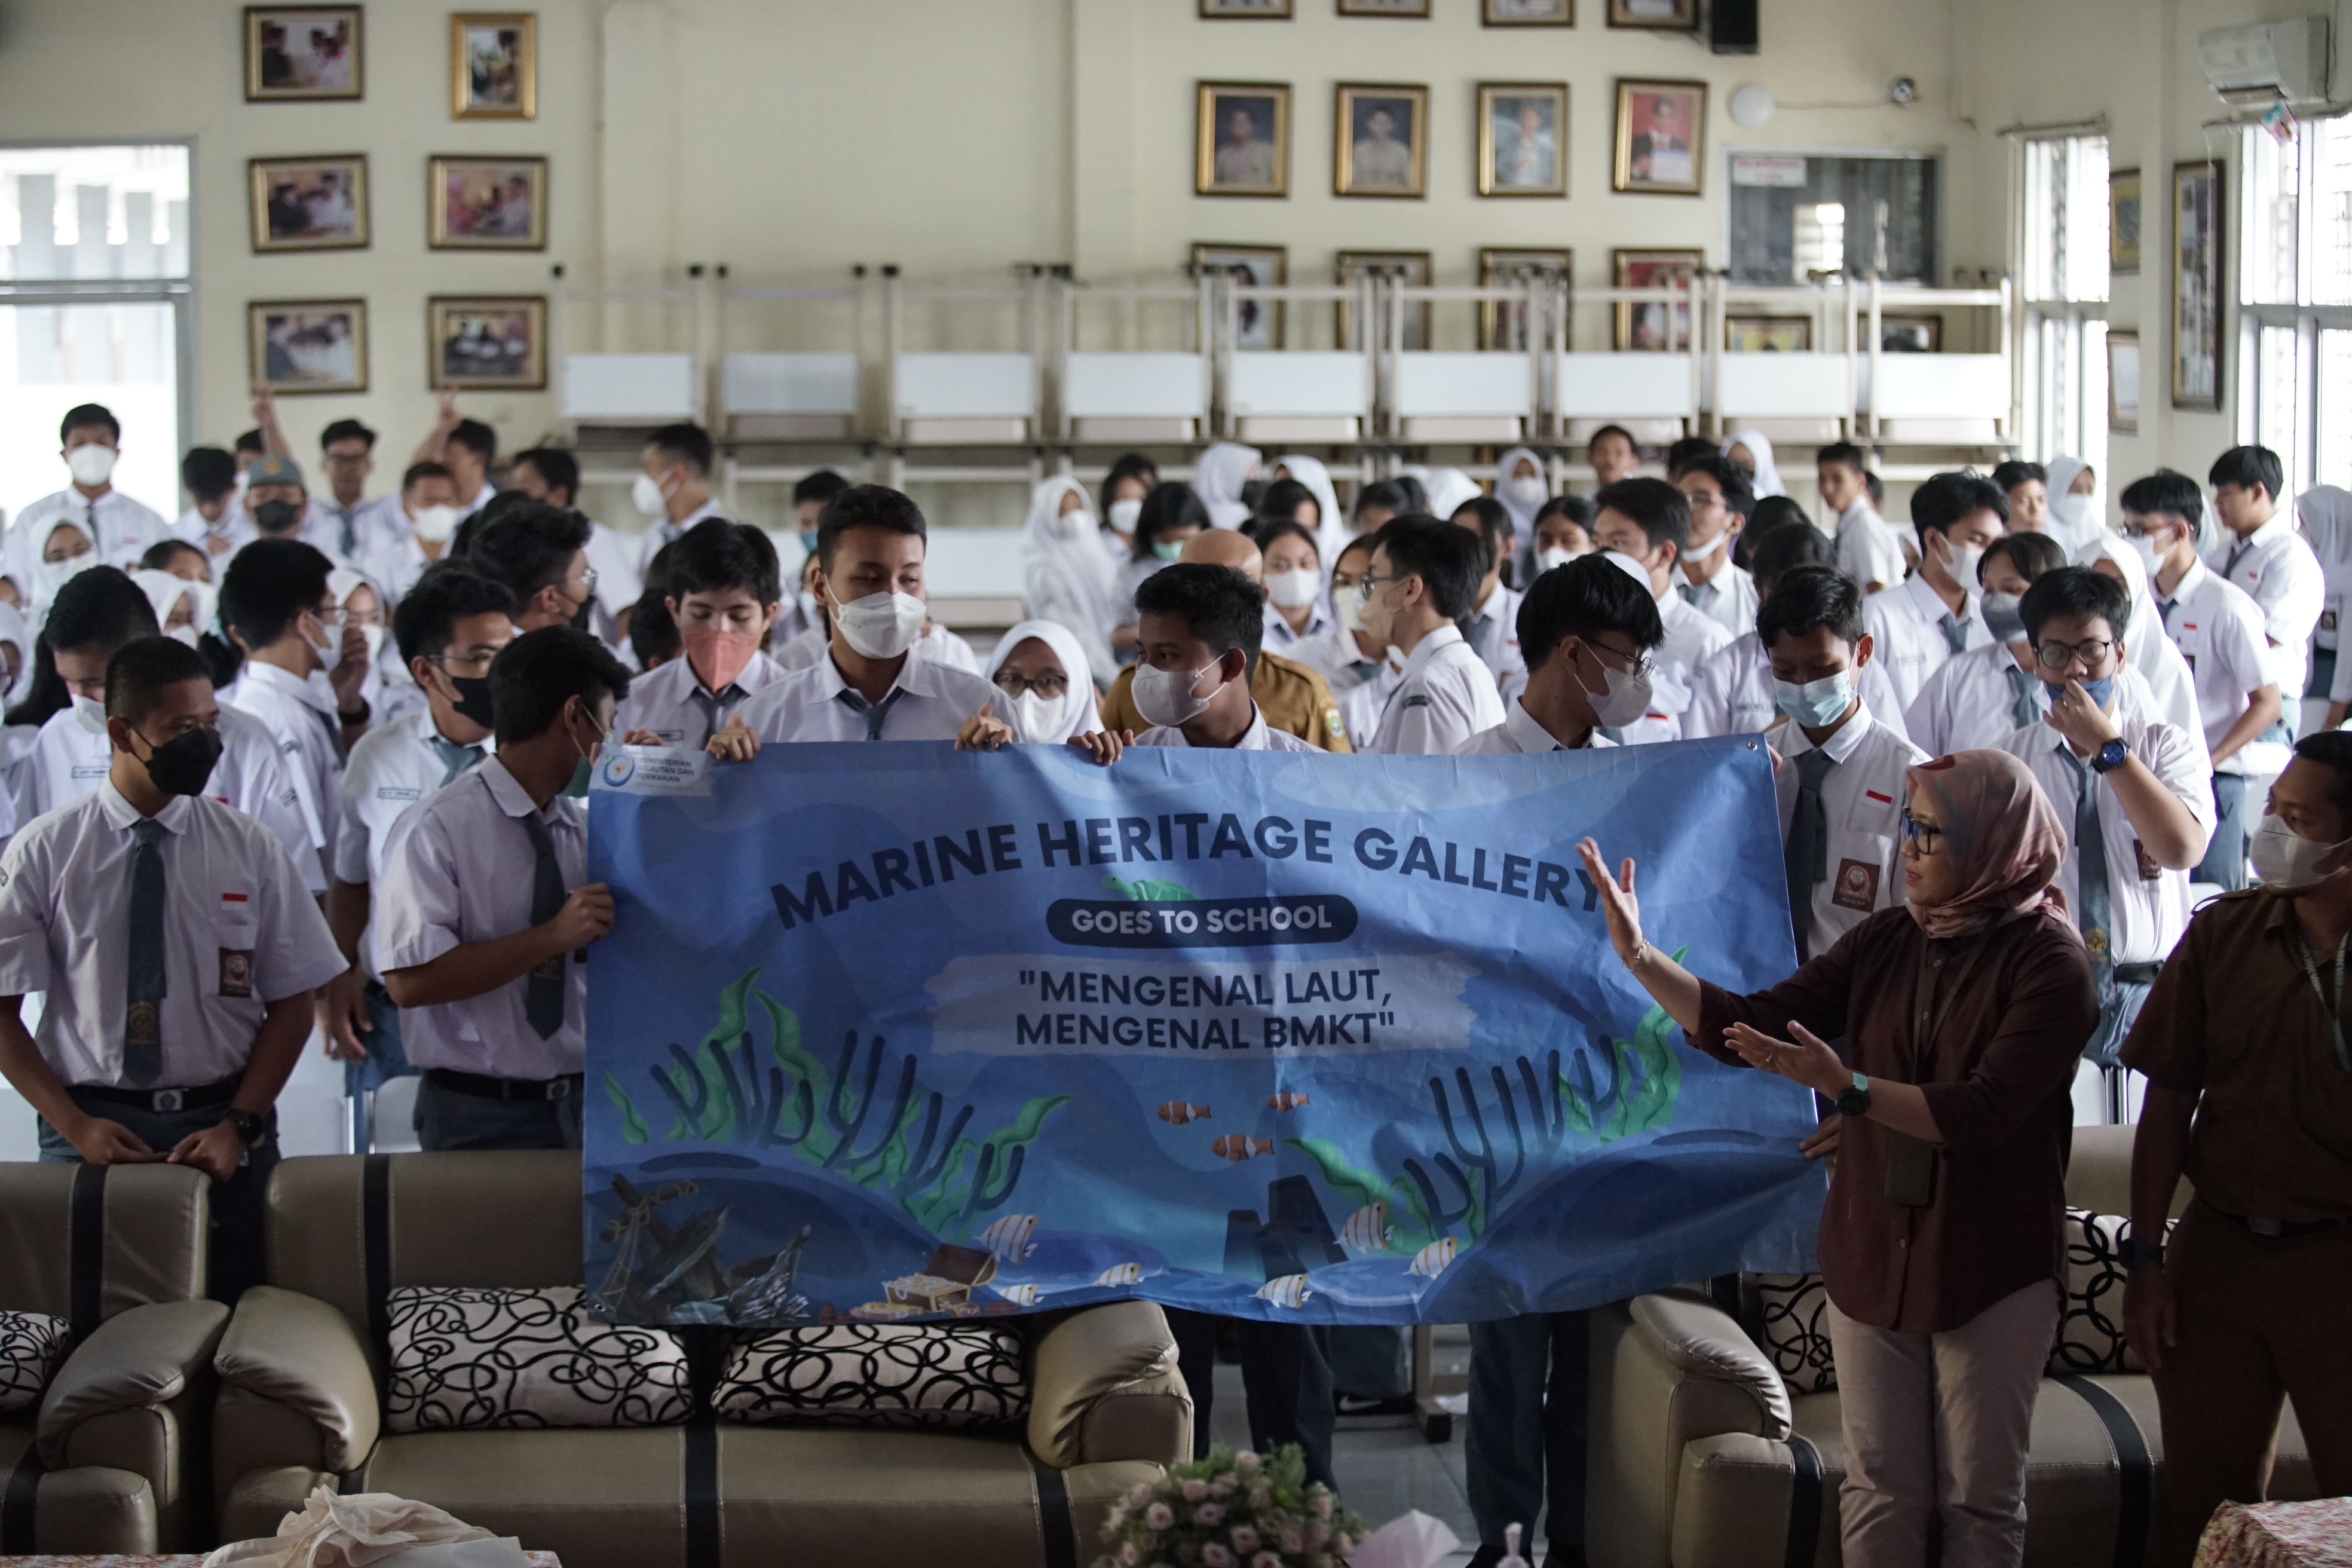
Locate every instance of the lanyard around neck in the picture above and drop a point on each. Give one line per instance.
(2331, 1006)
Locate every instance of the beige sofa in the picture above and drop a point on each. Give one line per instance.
(112, 1460)
(300, 1405)
(1701, 1459)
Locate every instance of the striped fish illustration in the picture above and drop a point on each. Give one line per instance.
(1431, 1260)
(1290, 1291)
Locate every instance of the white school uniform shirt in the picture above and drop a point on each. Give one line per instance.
(2218, 628)
(1863, 798)
(1360, 686)
(1728, 598)
(1905, 626)
(1446, 695)
(928, 701)
(1868, 549)
(1256, 738)
(673, 702)
(120, 530)
(805, 651)
(67, 762)
(1518, 733)
(393, 768)
(2331, 542)
(1734, 693)
(2147, 906)
(1279, 638)
(230, 889)
(394, 563)
(2278, 570)
(190, 528)
(1971, 702)
(661, 530)
(301, 715)
(946, 647)
(352, 531)
(460, 869)
(1494, 638)
(1692, 641)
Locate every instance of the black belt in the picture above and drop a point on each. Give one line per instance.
(564, 1086)
(2137, 973)
(2281, 1229)
(217, 1092)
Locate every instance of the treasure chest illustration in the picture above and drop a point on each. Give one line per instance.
(946, 1282)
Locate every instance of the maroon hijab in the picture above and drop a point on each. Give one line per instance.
(2007, 836)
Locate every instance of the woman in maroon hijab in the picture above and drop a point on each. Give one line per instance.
(1963, 1016)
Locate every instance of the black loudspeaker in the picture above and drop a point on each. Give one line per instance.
(1731, 26)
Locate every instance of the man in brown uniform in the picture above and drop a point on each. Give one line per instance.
(1294, 696)
(2249, 1092)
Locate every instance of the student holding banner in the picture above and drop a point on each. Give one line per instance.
(1424, 581)
(724, 594)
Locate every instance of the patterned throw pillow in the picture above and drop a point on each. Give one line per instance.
(32, 1345)
(878, 1374)
(2091, 1332)
(1787, 1316)
(463, 1358)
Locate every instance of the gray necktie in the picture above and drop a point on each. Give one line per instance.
(1955, 632)
(875, 711)
(2236, 553)
(351, 538)
(143, 987)
(1807, 849)
(2022, 708)
(455, 758)
(543, 997)
(335, 733)
(1690, 592)
(712, 705)
(2095, 913)
(2164, 610)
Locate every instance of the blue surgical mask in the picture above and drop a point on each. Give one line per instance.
(2099, 691)
(1817, 703)
(1168, 550)
(808, 540)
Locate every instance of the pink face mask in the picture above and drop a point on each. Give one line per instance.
(719, 657)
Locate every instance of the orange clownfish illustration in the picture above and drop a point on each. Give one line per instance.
(1234, 1146)
(1176, 1112)
(1287, 1100)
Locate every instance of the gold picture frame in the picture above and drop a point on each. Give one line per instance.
(1260, 322)
(1653, 330)
(308, 203)
(1228, 161)
(1502, 325)
(494, 65)
(302, 54)
(1767, 335)
(473, 204)
(295, 347)
(1655, 159)
(1517, 158)
(477, 342)
(2123, 210)
(1416, 267)
(1367, 158)
(2123, 383)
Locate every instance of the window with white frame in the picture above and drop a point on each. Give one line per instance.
(2063, 266)
(2295, 342)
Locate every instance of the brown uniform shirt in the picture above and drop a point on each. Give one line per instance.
(1294, 696)
(2233, 1015)
(1995, 1059)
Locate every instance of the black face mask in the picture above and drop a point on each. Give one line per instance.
(276, 516)
(183, 764)
(473, 698)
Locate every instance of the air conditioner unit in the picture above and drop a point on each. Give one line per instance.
(2267, 61)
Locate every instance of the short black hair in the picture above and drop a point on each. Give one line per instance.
(2033, 554)
(1132, 466)
(88, 416)
(1876, 487)
(1495, 530)
(1679, 455)
(1166, 508)
(161, 553)
(1448, 559)
(2074, 591)
(1387, 494)
(1576, 508)
(141, 668)
(1774, 513)
(1594, 439)
(2247, 467)
(1580, 599)
(2332, 749)
(716, 554)
(528, 545)
(1281, 499)
(2015, 472)
(559, 468)
(1781, 549)
(1844, 452)
(477, 439)
(2167, 493)
(100, 607)
(1653, 505)
(250, 441)
(346, 430)
(1270, 529)
(426, 470)
(1809, 596)
(208, 473)
(653, 632)
(820, 486)
(426, 617)
(535, 674)
(1218, 604)
(865, 506)
(1942, 499)
(684, 443)
(269, 585)
(1738, 486)
(1416, 493)
(1356, 542)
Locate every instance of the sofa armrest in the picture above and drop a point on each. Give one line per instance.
(296, 1350)
(1731, 1508)
(136, 1359)
(1104, 1386)
(1699, 1340)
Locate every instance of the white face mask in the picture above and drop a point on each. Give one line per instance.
(435, 524)
(51, 575)
(1294, 589)
(881, 625)
(1961, 561)
(2151, 553)
(1074, 524)
(1626, 701)
(1553, 555)
(2072, 510)
(374, 636)
(331, 652)
(1165, 697)
(645, 495)
(1123, 514)
(812, 611)
(90, 713)
(1529, 491)
(1701, 551)
(90, 464)
(1351, 605)
(183, 633)
(1036, 718)
(2286, 862)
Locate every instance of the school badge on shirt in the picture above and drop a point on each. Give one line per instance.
(1857, 886)
(235, 926)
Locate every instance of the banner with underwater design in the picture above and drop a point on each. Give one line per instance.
(888, 1032)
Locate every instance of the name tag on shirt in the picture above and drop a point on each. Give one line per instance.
(235, 926)
(89, 770)
(397, 792)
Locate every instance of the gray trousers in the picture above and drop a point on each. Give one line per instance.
(446, 1119)
(236, 1203)
(1525, 1446)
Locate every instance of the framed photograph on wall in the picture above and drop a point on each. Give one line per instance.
(1246, 10)
(307, 346)
(1242, 139)
(2123, 382)
(494, 65)
(1767, 335)
(1380, 145)
(1661, 137)
(1257, 322)
(1665, 16)
(486, 203)
(1522, 139)
(2196, 218)
(2122, 221)
(1418, 8)
(1644, 325)
(1410, 267)
(490, 344)
(1503, 325)
(1528, 12)
(308, 204)
(295, 54)
(1910, 334)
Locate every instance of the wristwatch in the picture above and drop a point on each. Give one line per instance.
(1855, 1099)
(2110, 757)
(2132, 1252)
(251, 1129)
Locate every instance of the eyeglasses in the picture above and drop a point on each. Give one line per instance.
(1368, 582)
(2092, 651)
(1925, 834)
(587, 579)
(333, 616)
(1049, 685)
(1701, 500)
(447, 659)
(1636, 665)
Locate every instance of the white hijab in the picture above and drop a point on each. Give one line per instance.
(1523, 517)
(1069, 579)
(1079, 713)
(164, 591)
(2146, 647)
(2072, 523)
(1760, 447)
(14, 628)
(2326, 514)
(1218, 475)
(1448, 488)
(1331, 534)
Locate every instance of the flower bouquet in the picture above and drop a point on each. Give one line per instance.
(1231, 1511)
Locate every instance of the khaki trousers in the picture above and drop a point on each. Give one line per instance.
(1936, 1427)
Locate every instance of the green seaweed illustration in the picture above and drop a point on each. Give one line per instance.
(1146, 891)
